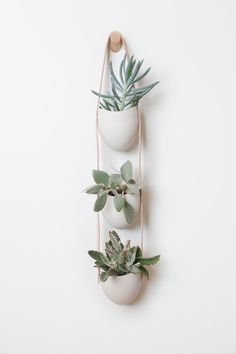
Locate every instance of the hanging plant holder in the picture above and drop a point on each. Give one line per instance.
(118, 219)
(118, 129)
(121, 268)
(119, 196)
(122, 290)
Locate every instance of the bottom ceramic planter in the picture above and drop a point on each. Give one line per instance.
(115, 218)
(122, 289)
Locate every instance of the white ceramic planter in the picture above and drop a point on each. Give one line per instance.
(118, 129)
(115, 218)
(122, 289)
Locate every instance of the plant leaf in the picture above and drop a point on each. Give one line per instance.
(102, 95)
(133, 269)
(120, 70)
(114, 77)
(138, 253)
(95, 255)
(100, 202)
(105, 260)
(104, 275)
(116, 178)
(94, 189)
(144, 271)
(148, 261)
(101, 177)
(142, 76)
(133, 188)
(129, 213)
(119, 202)
(126, 171)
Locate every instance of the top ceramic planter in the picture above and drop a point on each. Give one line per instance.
(118, 128)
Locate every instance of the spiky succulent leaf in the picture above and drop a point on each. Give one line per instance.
(95, 255)
(133, 269)
(124, 95)
(148, 261)
(104, 275)
(144, 271)
(120, 259)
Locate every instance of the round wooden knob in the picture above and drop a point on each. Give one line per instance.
(115, 41)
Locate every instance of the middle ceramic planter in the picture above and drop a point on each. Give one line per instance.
(118, 128)
(115, 218)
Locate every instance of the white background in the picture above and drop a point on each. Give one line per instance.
(50, 57)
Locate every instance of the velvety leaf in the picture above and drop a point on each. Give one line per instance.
(126, 171)
(101, 177)
(133, 188)
(116, 178)
(129, 213)
(119, 202)
(94, 189)
(100, 202)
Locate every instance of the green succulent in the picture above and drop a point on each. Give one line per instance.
(124, 93)
(116, 185)
(120, 259)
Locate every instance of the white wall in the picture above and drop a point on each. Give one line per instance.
(50, 57)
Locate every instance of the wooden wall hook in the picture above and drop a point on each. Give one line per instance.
(115, 40)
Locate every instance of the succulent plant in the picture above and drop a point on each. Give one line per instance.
(124, 93)
(116, 185)
(120, 259)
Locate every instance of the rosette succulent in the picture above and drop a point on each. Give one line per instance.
(124, 94)
(120, 259)
(116, 185)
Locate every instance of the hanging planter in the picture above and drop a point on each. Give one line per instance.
(118, 129)
(122, 289)
(121, 268)
(118, 195)
(117, 114)
(121, 220)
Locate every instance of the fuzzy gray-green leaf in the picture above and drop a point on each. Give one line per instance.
(101, 177)
(126, 171)
(100, 202)
(94, 189)
(129, 213)
(116, 178)
(119, 202)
